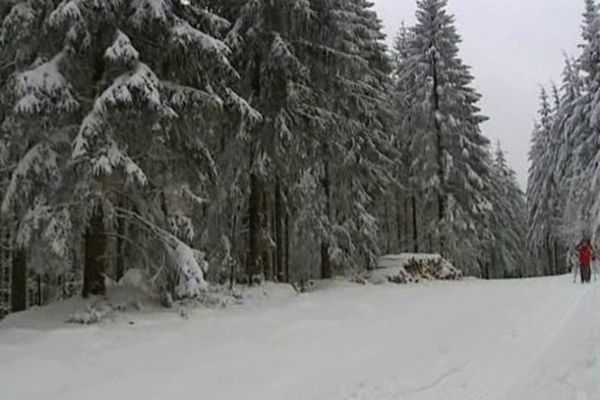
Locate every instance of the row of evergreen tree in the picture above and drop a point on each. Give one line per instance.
(239, 141)
(562, 195)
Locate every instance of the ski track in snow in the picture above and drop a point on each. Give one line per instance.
(471, 340)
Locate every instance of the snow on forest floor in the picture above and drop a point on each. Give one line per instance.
(467, 340)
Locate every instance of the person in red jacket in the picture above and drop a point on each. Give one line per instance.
(586, 256)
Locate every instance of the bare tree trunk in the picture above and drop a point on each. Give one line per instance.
(550, 256)
(441, 170)
(95, 249)
(485, 270)
(273, 233)
(232, 261)
(19, 281)
(549, 262)
(554, 263)
(492, 264)
(401, 224)
(557, 258)
(326, 270)
(260, 259)
(388, 229)
(253, 266)
(279, 233)
(39, 296)
(266, 224)
(95, 241)
(415, 225)
(287, 247)
(408, 246)
(254, 228)
(120, 247)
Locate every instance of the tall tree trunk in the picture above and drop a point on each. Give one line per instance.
(279, 233)
(441, 168)
(287, 247)
(254, 202)
(273, 233)
(549, 255)
(232, 262)
(388, 228)
(485, 270)
(19, 280)
(557, 258)
(253, 267)
(553, 254)
(266, 224)
(39, 296)
(95, 250)
(492, 264)
(120, 247)
(94, 238)
(326, 268)
(415, 224)
(401, 223)
(326, 272)
(260, 259)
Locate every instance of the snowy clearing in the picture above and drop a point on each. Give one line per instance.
(528, 339)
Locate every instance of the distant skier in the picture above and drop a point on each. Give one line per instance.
(586, 256)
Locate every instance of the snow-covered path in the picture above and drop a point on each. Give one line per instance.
(530, 339)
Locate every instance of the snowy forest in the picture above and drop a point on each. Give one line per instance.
(563, 186)
(235, 142)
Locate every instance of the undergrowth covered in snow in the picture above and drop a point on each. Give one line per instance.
(133, 294)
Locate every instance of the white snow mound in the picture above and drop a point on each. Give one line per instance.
(131, 294)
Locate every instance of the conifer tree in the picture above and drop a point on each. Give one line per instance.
(350, 79)
(268, 41)
(508, 253)
(574, 147)
(445, 131)
(542, 190)
(126, 93)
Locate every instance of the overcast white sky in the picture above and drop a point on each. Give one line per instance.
(514, 47)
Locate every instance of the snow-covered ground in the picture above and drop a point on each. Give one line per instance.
(529, 339)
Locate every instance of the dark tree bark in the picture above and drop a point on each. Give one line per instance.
(279, 269)
(95, 241)
(415, 224)
(95, 249)
(254, 201)
(253, 229)
(233, 262)
(326, 268)
(441, 168)
(266, 249)
(558, 256)
(388, 229)
(548, 268)
(39, 296)
(485, 269)
(19, 281)
(400, 223)
(287, 246)
(120, 271)
(260, 257)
